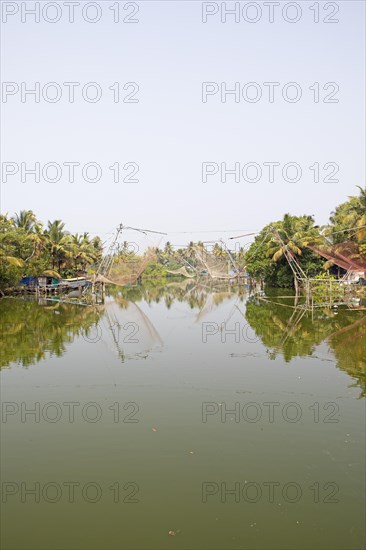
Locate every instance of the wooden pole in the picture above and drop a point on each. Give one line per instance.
(329, 293)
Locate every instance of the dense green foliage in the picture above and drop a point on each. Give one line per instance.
(348, 221)
(29, 248)
(266, 257)
(154, 270)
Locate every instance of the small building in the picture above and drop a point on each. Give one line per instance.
(346, 256)
(31, 282)
(39, 282)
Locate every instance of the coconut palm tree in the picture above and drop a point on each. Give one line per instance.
(359, 210)
(58, 242)
(190, 250)
(168, 249)
(10, 241)
(9, 261)
(38, 241)
(290, 237)
(241, 256)
(348, 220)
(26, 220)
(81, 250)
(293, 234)
(219, 252)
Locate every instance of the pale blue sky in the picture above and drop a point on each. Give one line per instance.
(170, 132)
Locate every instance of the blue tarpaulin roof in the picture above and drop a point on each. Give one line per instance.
(28, 280)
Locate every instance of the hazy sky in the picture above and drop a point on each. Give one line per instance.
(170, 131)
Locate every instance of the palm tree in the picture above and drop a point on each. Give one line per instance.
(190, 250)
(218, 251)
(292, 234)
(241, 257)
(55, 230)
(291, 237)
(38, 239)
(81, 250)
(97, 248)
(348, 220)
(24, 241)
(169, 253)
(360, 215)
(10, 241)
(168, 249)
(58, 242)
(26, 220)
(10, 261)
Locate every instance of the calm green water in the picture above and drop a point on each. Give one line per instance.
(132, 444)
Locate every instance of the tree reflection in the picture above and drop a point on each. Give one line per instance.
(30, 331)
(294, 332)
(196, 295)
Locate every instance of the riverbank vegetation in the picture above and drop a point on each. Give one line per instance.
(27, 247)
(266, 256)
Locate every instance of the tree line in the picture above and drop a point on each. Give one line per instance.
(27, 247)
(266, 257)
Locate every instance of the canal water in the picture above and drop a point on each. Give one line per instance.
(182, 417)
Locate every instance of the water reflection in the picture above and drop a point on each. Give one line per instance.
(124, 325)
(31, 330)
(294, 332)
(187, 291)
